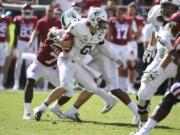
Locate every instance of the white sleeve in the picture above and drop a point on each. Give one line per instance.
(147, 32)
(108, 51)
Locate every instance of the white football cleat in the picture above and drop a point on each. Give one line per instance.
(72, 116)
(26, 116)
(37, 113)
(109, 105)
(141, 132)
(57, 112)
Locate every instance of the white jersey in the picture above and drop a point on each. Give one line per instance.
(84, 40)
(146, 32)
(154, 18)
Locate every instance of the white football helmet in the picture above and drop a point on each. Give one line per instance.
(27, 11)
(168, 7)
(98, 18)
(69, 17)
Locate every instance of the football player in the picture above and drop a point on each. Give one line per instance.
(25, 24)
(119, 35)
(45, 66)
(149, 84)
(87, 35)
(103, 62)
(172, 96)
(4, 37)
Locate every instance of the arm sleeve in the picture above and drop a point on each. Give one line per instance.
(108, 51)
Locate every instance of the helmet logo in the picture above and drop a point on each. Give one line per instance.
(97, 13)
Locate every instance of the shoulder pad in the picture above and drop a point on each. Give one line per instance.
(153, 15)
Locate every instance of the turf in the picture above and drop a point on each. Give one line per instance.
(116, 122)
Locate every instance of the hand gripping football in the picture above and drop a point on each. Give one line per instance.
(67, 42)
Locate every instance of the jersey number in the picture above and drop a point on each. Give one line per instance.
(122, 31)
(85, 49)
(52, 60)
(26, 31)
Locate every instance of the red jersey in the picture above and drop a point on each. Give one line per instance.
(25, 26)
(119, 30)
(48, 53)
(4, 23)
(139, 21)
(44, 24)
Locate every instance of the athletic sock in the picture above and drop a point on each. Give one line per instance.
(43, 106)
(27, 107)
(73, 109)
(133, 108)
(151, 123)
(55, 105)
(107, 97)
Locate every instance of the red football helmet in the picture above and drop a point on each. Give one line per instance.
(27, 11)
(174, 24)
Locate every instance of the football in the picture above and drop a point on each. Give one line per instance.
(68, 41)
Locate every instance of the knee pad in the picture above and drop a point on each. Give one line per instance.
(168, 101)
(143, 106)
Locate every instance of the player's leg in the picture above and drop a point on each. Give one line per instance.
(34, 72)
(86, 79)
(110, 74)
(162, 110)
(66, 73)
(54, 80)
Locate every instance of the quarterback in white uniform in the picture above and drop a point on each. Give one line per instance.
(104, 61)
(86, 36)
(158, 17)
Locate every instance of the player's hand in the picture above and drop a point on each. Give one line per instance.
(66, 42)
(149, 54)
(120, 63)
(66, 45)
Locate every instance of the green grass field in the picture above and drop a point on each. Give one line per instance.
(116, 122)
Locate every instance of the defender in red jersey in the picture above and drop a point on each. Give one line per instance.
(120, 37)
(25, 24)
(4, 37)
(44, 66)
